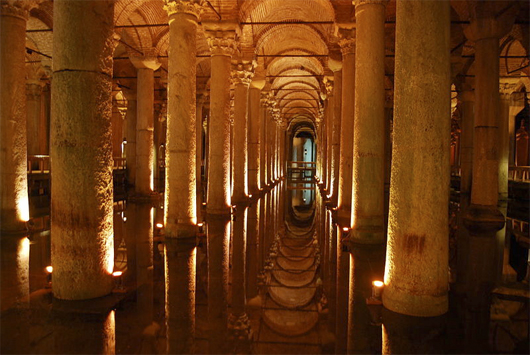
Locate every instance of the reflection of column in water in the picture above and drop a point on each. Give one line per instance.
(343, 276)
(332, 274)
(253, 245)
(15, 271)
(366, 265)
(218, 235)
(404, 334)
(180, 280)
(40, 258)
(239, 319)
(144, 260)
(76, 333)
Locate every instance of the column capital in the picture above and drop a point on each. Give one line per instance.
(222, 37)
(18, 8)
(507, 89)
(148, 60)
(329, 84)
(370, 2)
(346, 35)
(334, 64)
(242, 73)
(264, 98)
(189, 7)
(33, 89)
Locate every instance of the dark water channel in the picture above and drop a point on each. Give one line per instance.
(290, 284)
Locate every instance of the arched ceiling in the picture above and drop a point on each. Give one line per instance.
(290, 39)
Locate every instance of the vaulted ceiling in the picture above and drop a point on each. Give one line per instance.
(291, 40)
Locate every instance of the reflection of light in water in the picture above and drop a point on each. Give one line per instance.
(22, 204)
(109, 346)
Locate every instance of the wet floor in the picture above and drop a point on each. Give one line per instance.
(285, 297)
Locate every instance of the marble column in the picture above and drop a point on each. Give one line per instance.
(336, 67)
(347, 44)
(368, 185)
(241, 77)
(416, 271)
(146, 65)
(81, 150)
(516, 105)
(466, 98)
(181, 190)
(14, 212)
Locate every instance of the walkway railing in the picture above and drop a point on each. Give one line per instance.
(515, 173)
(301, 169)
(40, 164)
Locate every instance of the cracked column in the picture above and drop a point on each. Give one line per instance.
(81, 149)
(14, 212)
(416, 271)
(181, 179)
(368, 185)
(347, 44)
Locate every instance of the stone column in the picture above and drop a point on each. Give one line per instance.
(146, 65)
(347, 44)
(368, 190)
(241, 78)
(263, 140)
(130, 149)
(336, 66)
(33, 105)
(254, 136)
(343, 280)
(483, 219)
(14, 212)
(181, 190)
(81, 149)
(221, 38)
(330, 117)
(466, 99)
(222, 45)
(200, 152)
(416, 272)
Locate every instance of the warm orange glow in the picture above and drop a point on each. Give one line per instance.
(378, 283)
(23, 208)
(200, 224)
(345, 229)
(159, 225)
(49, 269)
(117, 273)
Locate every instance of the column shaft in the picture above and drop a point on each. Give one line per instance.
(144, 132)
(346, 133)
(466, 141)
(335, 137)
(81, 149)
(14, 211)
(417, 253)
(181, 179)
(368, 221)
(130, 149)
(33, 105)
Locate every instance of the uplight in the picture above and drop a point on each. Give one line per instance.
(159, 225)
(49, 269)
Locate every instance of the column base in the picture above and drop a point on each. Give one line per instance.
(483, 220)
(415, 305)
(368, 235)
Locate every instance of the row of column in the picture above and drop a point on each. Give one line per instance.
(416, 270)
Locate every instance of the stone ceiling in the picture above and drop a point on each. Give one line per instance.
(289, 39)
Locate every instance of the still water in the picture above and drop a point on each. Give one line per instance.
(285, 297)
